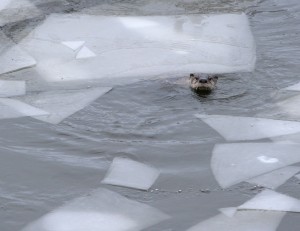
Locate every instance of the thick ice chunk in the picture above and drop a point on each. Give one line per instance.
(12, 57)
(234, 163)
(85, 53)
(275, 178)
(235, 128)
(144, 46)
(272, 201)
(10, 108)
(129, 173)
(62, 104)
(102, 210)
(12, 88)
(229, 212)
(74, 45)
(242, 221)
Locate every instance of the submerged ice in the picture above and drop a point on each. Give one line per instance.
(102, 210)
(139, 47)
(234, 128)
(129, 173)
(237, 162)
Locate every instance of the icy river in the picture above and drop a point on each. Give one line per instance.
(128, 154)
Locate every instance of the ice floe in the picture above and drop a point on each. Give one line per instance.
(102, 210)
(229, 212)
(275, 178)
(85, 53)
(61, 104)
(272, 201)
(12, 57)
(237, 162)
(12, 88)
(234, 128)
(289, 107)
(295, 87)
(11, 108)
(132, 174)
(74, 45)
(144, 46)
(242, 221)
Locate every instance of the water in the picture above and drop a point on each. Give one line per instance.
(43, 166)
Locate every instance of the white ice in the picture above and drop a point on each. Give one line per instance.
(298, 176)
(242, 221)
(102, 210)
(275, 178)
(11, 108)
(74, 45)
(12, 88)
(272, 201)
(63, 103)
(234, 128)
(143, 46)
(4, 4)
(85, 53)
(130, 173)
(237, 162)
(12, 57)
(295, 87)
(229, 212)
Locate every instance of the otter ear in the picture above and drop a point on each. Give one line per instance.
(192, 75)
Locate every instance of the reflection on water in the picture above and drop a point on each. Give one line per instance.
(43, 165)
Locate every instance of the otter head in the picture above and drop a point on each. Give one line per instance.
(203, 82)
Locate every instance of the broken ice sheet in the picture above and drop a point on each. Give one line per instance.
(242, 221)
(229, 212)
(11, 108)
(12, 57)
(130, 173)
(272, 201)
(74, 45)
(289, 107)
(62, 103)
(234, 128)
(102, 210)
(295, 87)
(12, 88)
(143, 46)
(237, 162)
(275, 178)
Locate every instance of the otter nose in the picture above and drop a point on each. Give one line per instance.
(203, 80)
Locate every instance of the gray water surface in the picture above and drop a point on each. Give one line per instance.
(43, 166)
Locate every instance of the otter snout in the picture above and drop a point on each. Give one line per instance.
(203, 80)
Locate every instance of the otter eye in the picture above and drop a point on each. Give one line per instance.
(209, 78)
(191, 75)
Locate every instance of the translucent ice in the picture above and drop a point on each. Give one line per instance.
(144, 46)
(12, 57)
(272, 201)
(229, 212)
(85, 53)
(234, 163)
(102, 210)
(275, 178)
(241, 221)
(62, 104)
(235, 128)
(12, 88)
(10, 108)
(129, 173)
(74, 45)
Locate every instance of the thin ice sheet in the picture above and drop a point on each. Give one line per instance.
(234, 128)
(144, 46)
(237, 162)
(102, 210)
(130, 173)
(63, 103)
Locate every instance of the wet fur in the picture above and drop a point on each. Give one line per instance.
(203, 82)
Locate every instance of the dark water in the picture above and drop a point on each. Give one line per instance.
(43, 166)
